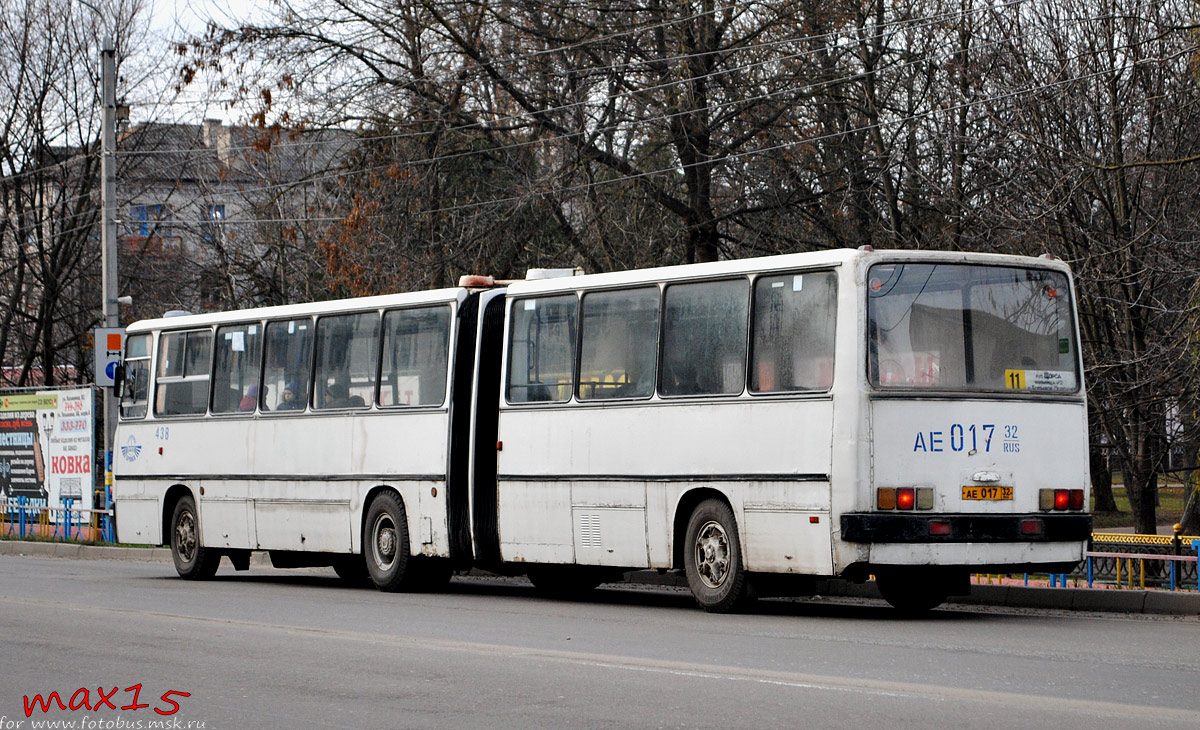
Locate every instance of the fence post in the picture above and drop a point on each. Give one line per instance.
(109, 533)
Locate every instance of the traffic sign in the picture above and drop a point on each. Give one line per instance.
(110, 341)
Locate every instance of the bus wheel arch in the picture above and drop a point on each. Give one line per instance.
(193, 561)
(684, 508)
(386, 542)
(712, 557)
(175, 493)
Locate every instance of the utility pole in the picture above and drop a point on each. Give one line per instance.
(108, 234)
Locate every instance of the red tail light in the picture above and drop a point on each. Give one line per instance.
(1062, 498)
(1032, 526)
(939, 527)
(906, 498)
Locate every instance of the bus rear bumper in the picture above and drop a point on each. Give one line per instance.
(983, 543)
(983, 557)
(959, 528)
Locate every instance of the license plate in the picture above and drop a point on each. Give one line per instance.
(987, 493)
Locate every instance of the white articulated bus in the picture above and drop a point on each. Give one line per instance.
(755, 424)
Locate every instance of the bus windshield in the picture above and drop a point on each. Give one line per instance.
(970, 327)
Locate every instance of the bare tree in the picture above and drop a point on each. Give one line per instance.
(49, 143)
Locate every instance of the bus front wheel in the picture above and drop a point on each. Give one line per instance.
(712, 559)
(385, 544)
(193, 561)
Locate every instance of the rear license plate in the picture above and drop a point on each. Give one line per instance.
(987, 493)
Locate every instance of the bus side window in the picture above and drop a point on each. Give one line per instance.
(541, 349)
(416, 346)
(347, 352)
(617, 351)
(184, 359)
(704, 338)
(136, 389)
(237, 361)
(288, 364)
(792, 342)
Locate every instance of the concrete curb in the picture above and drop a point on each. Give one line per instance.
(84, 552)
(1177, 603)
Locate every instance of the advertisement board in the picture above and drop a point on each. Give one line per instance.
(47, 447)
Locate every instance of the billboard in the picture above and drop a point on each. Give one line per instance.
(47, 446)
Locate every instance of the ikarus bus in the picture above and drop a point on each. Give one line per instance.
(756, 425)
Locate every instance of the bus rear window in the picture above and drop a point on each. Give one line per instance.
(980, 328)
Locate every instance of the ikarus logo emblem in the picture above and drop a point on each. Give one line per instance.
(131, 449)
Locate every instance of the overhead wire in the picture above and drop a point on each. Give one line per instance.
(733, 156)
(663, 118)
(498, 121)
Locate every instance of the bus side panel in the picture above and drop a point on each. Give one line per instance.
(603, 482)
(787, 528)
(139, 515)
(227, 514)
(535, 522)
(138, 499)
(608, 520)
(288, 483)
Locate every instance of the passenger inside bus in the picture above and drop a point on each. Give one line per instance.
(289, 398)
(250, 400)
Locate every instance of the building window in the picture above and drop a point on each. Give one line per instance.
(144, 219)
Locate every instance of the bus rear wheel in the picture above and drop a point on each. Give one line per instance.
(193, 561)
(385, 544)
(914, 591)
(712, 559)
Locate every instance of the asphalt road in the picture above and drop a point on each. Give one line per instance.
(280, 649)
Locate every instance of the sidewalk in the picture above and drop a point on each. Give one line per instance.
(1180, 603)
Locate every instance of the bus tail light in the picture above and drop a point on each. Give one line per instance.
(905, 498)
(885, 498)
(1060, 499)
(1046, 499)
(1076, 499)
(1032, 526)
(924, 497)
(939, 527)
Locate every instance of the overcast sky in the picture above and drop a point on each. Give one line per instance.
(193, 14)
(173, 20)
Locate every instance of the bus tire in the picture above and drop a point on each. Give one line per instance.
(386, 546)
(352, 569)
(913, 591)
(193, 561)
(712, 559)
(564, 581)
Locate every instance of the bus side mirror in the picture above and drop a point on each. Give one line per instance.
(119, 380)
